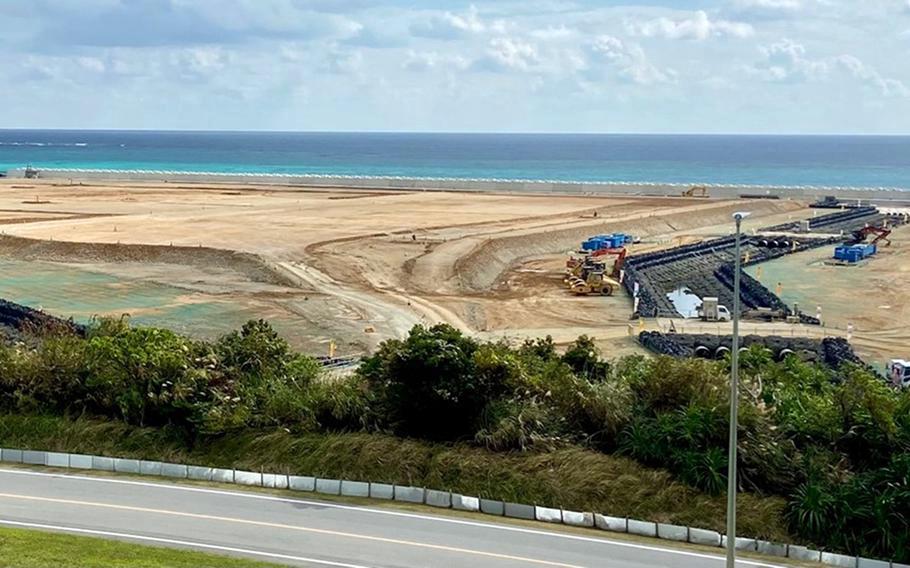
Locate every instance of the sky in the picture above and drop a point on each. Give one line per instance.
(658, 66)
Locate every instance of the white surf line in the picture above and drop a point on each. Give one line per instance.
(283, 526)
(174, 542)
(330, 505)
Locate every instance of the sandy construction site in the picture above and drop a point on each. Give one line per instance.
(360, 266)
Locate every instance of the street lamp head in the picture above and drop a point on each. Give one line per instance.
(740, 215)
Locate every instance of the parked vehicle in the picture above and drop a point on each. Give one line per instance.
(899, 372)
(710, 310)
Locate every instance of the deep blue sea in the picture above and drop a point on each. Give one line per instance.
(859, 161)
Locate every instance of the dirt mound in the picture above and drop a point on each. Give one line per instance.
(251, 265)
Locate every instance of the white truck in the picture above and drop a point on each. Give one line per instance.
(899, 373)
(711, 310)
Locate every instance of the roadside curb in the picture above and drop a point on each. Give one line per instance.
(434, 498)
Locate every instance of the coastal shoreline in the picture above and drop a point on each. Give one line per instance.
(881, 195)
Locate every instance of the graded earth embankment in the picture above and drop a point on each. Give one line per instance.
(251, 265)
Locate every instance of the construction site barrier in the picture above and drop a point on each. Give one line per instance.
(436, 498)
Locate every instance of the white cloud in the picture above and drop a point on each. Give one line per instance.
(629, 61)
(769, 5)
(889, 87)
(787, 61)
(557, 33)
(699, 26)
(342, 62)
(449, 25)
(245, 64)
(428, 60)
(506, 53)
(92, 64)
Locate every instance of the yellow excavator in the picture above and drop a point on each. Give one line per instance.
(696, 191)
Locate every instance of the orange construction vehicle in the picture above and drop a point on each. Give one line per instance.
(881, 234)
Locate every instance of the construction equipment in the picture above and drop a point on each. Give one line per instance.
(860, 236)
(595, 283)
(620, 255)
(696, 191)
(580, 264)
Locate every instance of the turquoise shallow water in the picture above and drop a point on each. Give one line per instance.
(857, 161)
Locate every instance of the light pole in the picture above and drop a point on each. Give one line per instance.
(734, 399)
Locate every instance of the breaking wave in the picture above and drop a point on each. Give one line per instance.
(41, 144)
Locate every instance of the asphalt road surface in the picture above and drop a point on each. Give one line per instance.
(307, 532)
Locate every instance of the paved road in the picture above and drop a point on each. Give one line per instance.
(305, 532)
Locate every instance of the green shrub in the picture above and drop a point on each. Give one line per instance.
(835, 443)
(436, 383)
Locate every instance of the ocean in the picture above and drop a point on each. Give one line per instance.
(845, 161)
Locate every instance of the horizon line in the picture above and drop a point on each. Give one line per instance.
(460, 132)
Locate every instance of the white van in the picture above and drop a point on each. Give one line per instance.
(899, 372)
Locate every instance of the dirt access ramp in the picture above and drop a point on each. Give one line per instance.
(482, 267)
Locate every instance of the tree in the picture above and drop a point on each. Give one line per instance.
(430, 385)
(584, 359)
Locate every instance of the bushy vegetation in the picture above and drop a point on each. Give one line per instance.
(834, 444)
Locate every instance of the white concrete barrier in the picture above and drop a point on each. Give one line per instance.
(741, 543)
(840, 560)
(465, 503)
(102, 464)
(355, 488)
(34, 458)
(382, 491)
(441, 499)
(126, 465)
(608, 523)
(492, 507)
(148, 467)
(199, 473)
(519, 511)
(704, 536)
(80, 461)
(409, 494)
(222, 475)
(771, 548)
(302, 483)
(11, 456)
(253, 478)
(870, 563)
(578, 519)
(672, 532)
(641, 528)
(548, 515)
(274, 481)
(328, 486)
(56, 459)
(174, 470)
(802, 553)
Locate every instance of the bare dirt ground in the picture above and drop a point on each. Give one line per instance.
(360, 266)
